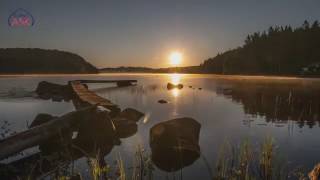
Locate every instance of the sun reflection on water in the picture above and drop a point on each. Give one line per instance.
(175, 79)
(175, 92)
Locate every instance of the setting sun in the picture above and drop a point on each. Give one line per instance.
(175, 58)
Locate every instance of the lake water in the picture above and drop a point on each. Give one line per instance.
(229, 109)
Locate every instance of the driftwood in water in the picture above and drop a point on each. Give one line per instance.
(175, 143)
(38, 134)
(48, 128)
(95, 138)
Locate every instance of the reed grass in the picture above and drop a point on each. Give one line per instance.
(121, 168)
(243, 163)
(142, 165)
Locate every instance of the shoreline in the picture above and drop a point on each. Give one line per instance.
(162, 73)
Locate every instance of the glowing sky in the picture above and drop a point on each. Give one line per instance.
(143, 33)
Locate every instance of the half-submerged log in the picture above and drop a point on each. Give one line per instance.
(47, 130)
(175, 143)
(39, 134)
(95, 138)
(54, 142)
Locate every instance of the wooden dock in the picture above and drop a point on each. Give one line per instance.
(86, 96)
(123, 123)
(118, 82)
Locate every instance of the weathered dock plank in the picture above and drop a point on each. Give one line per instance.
(129, 82)
(87, 96)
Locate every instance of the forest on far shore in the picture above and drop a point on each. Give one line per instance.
(281, 50)
(277, 51)
(42, 61)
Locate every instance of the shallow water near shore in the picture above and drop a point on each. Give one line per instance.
(229, 109)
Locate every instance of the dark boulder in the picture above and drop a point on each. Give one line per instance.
(174, 86)
(125, 128)
(126, 122)
(98, 132)
(131, 114)
(162, 101)
(175, 143)
(56, 92)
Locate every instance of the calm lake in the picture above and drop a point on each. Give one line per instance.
(229, 108)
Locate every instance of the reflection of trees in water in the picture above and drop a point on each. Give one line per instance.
(144, 89)
(277, 102)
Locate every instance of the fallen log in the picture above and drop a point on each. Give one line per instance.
(45, 129)
(38, 134)
(95, 138)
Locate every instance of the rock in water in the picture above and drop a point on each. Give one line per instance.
(131, 114)
(162, 101)
(57, 92)
(175, 143)
(173, 86)
(126, 122)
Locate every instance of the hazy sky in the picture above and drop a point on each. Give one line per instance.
(143, 33)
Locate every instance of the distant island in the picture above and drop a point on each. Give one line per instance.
(41, 61)
(277, 51)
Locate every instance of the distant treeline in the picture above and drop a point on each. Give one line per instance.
(126, 69)
(30, 61)
(123, 69)
(278, 51)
